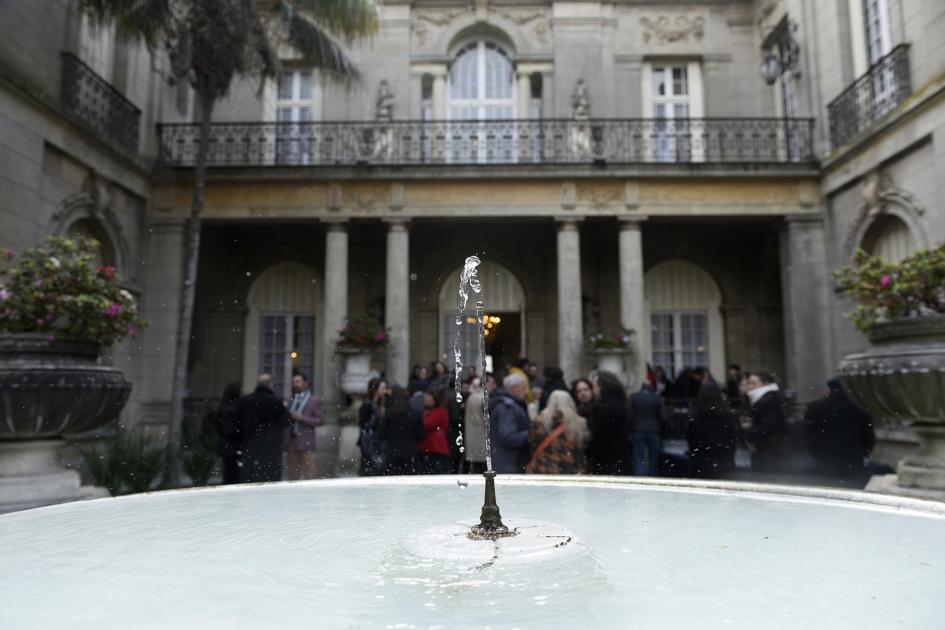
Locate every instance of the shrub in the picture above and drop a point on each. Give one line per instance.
(129, 462)
(55, 289)
(611, 341)
(885, 291)
(361, 334)
(198, 459)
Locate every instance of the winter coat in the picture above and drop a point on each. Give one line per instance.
(436, 423)
(839, 434)
(712, 439)
(769, 432)
(228, 430)
(608, 452)
(509, 430)
(400, 433)
(263, 420)
(561, 457)
(649, 411)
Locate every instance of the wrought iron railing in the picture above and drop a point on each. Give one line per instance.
(97, 102)
(885, 85)
(401, 143)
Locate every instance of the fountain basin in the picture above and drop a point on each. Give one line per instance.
(351, 553)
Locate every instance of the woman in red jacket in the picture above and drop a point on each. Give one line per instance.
(434, 450)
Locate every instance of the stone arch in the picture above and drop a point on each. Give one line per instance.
(82, 213)
(466, 27)
(689, 301)
(890, 238)
(885, 200)
(289, 290)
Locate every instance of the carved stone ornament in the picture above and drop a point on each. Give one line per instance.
(384, 105)
(598, 198)
(580, 101)
(878, 192)
(522, 17)
(367, 200)
(667, 31)
(438, 18)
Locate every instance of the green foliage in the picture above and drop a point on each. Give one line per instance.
(129, 462)
(55, 289)
(361, 334)
(198, 459)
(611, 341)
(885, 291)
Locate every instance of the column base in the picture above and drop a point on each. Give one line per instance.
(23, 493)
(889, 484)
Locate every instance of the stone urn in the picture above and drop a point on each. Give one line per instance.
(49, 388)
(902, 376)
(353, 382)
(612, 360)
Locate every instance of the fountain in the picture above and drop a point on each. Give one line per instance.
(381, 552)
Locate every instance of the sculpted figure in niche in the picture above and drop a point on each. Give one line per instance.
(384, 105)
(580, 102)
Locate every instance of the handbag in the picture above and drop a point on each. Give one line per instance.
(551, 437)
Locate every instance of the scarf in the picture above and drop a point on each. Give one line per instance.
(755, 395)
(298, 404)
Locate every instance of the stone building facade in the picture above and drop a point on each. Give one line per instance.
(615, 163)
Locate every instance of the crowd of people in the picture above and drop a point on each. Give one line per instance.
(540, 424)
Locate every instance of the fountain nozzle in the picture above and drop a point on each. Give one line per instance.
(490, 525)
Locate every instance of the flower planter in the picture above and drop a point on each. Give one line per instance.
(49, 388)
(611, 360)
(903, 376)
(357, 372)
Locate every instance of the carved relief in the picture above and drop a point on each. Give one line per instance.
(367, 199)
(437, 18)
(522, 17)
(879, 191)
(598, 198)
(667, 31)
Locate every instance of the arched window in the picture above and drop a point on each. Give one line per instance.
(890, 239)
(481, 84)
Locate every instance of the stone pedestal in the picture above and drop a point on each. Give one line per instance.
(889, 484)
(30, 476)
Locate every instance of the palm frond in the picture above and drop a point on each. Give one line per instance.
(347, 20)
(147, 20)
(317, 46)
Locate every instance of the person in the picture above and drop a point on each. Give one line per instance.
(554, 381)
(369, 421)
(519, 368)
(767, 431)
(474, 431)
(228, 431)
(583, 394)
(535, 377)
(433, 450)
(711, 435)
(456, 410)
(558, 437)
(306, 412)
(608, 452)
(263, 420)
(401, 430)
(439, 375)
(419, 380)
(663, 386)
(509, 428)
(533, 405)
(840, 434)
(648, 411)
(733, 385)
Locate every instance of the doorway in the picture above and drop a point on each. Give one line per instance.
(503, 341)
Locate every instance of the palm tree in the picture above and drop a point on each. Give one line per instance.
(209, 43)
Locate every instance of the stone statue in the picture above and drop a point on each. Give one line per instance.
(580, 102)
(384, 105)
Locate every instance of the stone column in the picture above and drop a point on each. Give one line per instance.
(439, 93)
(335, 304)
(524, 95)
(804, 287)
(397, 302)
(570, 325)
(632, 304)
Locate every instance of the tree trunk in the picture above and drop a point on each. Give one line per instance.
(188, 295)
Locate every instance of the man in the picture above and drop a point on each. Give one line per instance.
(509, 425)
(263, 420)
(839, 434)
(648, 411)
(306, 412)
(767, 431)
(732, 384)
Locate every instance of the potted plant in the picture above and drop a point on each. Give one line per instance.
(58, 312)
(901, 308)
(611, 349)
(358, 340)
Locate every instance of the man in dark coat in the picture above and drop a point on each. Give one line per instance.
(768, 431)
(509, 426)
(263, 420)
(839, 434)
(649, 411)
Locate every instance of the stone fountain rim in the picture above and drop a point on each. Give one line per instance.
(758, 491)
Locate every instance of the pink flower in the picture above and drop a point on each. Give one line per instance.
(379, 336)
(4, 294)
(885, 280)
(50, 317)
(113, 310)
(131, 330)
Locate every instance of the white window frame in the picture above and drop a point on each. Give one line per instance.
(289, 346)
(884, 81)
(660, 135)
(678, 351)
(294, 142)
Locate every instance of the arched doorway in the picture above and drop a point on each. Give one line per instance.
(280, 326)
(504, 301)
(683, 307)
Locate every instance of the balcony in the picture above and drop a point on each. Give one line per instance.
(96, 102)
(872, 96)
(536, 142)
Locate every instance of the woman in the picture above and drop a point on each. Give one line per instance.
(439, 375)
(228, 428)
(474, 431)
(401, 430)
(434, 450)
(711, 435)
(663, 384)
(583, 394)
(558, 437)
(608, 452)
(369, 417)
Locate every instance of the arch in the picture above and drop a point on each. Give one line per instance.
(467, 27)
(683, 307)
(85, 211)
(890, 238)
(284, 298)
(503, 293)
(92, 228)
(885, 199)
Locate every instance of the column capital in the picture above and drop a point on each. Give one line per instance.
(396, 224)
(335, 224)
(568, 224)
(632, 222)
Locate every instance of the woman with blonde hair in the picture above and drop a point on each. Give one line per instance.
(558, 437)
